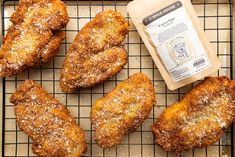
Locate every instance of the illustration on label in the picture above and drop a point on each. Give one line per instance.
(179, 51)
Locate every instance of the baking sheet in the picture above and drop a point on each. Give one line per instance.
(215, 18)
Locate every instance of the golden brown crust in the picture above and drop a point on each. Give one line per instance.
(96, 53)
(122, 110)
(47, 122)
(53, 46)
(36, 26)
(200, 118)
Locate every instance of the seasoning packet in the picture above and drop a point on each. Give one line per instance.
(174, 38)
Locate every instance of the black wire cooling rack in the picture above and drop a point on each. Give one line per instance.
(216, 18)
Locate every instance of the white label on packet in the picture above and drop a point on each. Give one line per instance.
(177, 42)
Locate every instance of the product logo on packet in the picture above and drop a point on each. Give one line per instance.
(161, 13)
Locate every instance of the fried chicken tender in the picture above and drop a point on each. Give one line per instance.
(47, 122)
(122, 110)
(199, 119)
(96, 53)
(34, 36)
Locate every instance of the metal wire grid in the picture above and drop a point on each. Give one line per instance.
(216, 18)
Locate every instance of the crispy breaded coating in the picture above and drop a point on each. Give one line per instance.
(47, 122)
(122, 110)
(96, 53)
(199, 119)
(34, 36)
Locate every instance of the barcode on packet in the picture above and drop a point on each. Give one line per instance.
(199, 62)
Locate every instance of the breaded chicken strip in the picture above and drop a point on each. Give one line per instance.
(199, 119)
(47, 122)
(122, 110)
(96, 53)
(34, 36)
